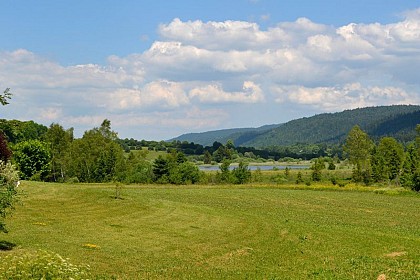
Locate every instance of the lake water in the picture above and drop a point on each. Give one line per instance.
(253, 167)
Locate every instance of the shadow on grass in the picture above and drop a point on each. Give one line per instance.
(6, 245)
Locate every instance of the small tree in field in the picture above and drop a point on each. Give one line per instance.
(9, 177)
(241, 174)
(225, 175)
(358, 148)
(8, 195)
(317, 168)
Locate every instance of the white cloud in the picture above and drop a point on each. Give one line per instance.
(348, 96)
(197, 66)
(213, 93)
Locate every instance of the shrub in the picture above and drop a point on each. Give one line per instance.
(8, 194)
(41, 265)
(241, 174)
(299, 178)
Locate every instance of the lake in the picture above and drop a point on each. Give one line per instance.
(254, 167)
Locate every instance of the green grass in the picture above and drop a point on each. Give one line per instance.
(221, 232)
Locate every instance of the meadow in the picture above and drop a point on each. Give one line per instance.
(221, 232)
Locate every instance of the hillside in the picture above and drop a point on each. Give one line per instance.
(397, 121)
(237, 135)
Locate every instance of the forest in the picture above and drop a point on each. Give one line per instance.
(397, 121)
(53, 154)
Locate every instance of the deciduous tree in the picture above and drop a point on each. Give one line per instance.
(241, 174)
(387, 159)
(59, 141)
(358, 148)
(33, 159)
(5, 152)
(96, 157)
(8, 194)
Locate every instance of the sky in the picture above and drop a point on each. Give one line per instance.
(158, 69)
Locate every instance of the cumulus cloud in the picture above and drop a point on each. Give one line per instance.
(348, 96)
(158, 94)
(213, 93)
(196, 66)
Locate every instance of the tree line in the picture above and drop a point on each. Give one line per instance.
(53, 154)
(387, 161)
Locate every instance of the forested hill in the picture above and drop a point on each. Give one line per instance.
(238, 135)
(398, 121)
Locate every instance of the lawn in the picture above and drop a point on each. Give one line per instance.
(221, 232)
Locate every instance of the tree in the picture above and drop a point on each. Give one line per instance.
(207, 157)
(410, 173)
(387, 159)
(8, 194)
(299, 178)
(222, 153)
(33, 159)
(9, 177)
(59, 141)
(137, 169)
(358, 147)
(225, 175)
(96, 157)
(317, 168)
(241, 174)
(5, 152)
(161, 169)
(184, 173)
(6, 95)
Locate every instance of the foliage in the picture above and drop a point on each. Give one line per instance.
(207, 157)
(20, 131)
(184, 173)
(358, 148)
(237, 135)
(299, 178)
(5, 152)
(33, 159)
(317, 168)
(161, 169)
(41, 265)
(241, 174)
(6, 95)
(137, 170)
(96, 157)
(8, 194)
(175, 169)
(387, 160)
(225, 175)
(223, 153)
(397, 121)
(59, 141)
(410, 174)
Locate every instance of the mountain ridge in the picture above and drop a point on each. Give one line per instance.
(398, 121)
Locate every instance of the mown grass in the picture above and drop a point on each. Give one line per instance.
(222, 232)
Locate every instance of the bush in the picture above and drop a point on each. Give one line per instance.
(241, 174)
(33, 159)
(8, 194)
(41, 265)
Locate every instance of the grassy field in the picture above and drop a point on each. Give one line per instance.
(221, 232)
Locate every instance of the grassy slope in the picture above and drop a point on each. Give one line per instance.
(223, 232)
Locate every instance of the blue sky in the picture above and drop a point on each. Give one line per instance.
(158, 69)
